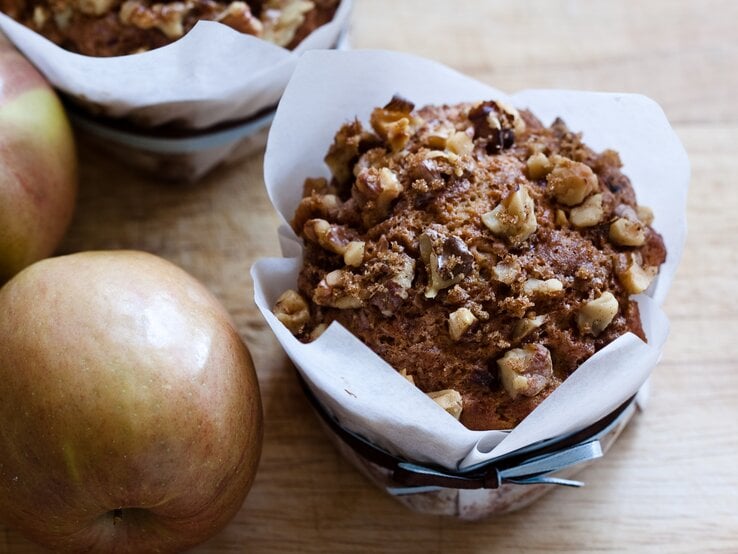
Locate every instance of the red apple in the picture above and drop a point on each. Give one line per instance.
(130, 416)
(38, 168)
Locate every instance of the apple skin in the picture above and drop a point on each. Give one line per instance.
(124, 385)
(38, 165)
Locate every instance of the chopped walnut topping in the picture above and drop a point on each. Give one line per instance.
(450, 400)
(395, 122)
(94, 7)
(165, 17)
(319, 330)
(238, 16)
(447, 260)
(460, 143)
(596, 315)
(407, 376)
(292, 310)
(571, 182)
(533, 287)
(354, 253)
(645, 214)
(459, 322)
(336, 239)
(561, 219)
(632, 275)
(393, 291)
(527, 325)
(376, 189)
(627, 232)
(538, 166)
(282, 19)
(526, 371)
(589, 214)
(514, 218)
(40, 16)
(346, 148)
(338, 290)
(506, 272)
(495, 125)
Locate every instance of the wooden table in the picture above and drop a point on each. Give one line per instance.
(671, 483)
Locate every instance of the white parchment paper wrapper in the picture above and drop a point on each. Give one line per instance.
(212, 74)
(367, 395)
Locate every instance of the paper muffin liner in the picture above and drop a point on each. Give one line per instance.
(212, 74)
(365, 394)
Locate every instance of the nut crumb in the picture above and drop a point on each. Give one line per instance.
(571, 182)
(514, 218)
(589, 214)
(526, 371)
(459, 322)
(596, 315)
(292, 310)
(450, 400)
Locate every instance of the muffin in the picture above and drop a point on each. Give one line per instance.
(482, 254)
(120, 27)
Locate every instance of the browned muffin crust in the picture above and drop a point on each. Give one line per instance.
(480, 253)
(120, 27)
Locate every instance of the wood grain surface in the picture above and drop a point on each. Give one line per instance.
(671, 482)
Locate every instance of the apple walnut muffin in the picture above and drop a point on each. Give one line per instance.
(481, 254)
(120, 27)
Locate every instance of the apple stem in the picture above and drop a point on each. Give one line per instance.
(117, 516)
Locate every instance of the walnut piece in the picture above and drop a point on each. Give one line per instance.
(460, 143)
(393, 291)
(238, 16)
(527, 325)
(94, 7)
(338, 290)
(344, 150)
(596, 315)
(167, 17)
(292, 310)
(407, 376)
(645, 214)
(525, 371)
(283, 19)
(495, 125)
(514, 218)
(317, 331)
(336, 239)
(395, 122)
(450, 400)
(627, 232)
(447, 260)
(561, 220)
(459, 322)
(506, 273)
(376, 190)
(589, 214)
(571, 182)
(354, 253)
(633, 276)
(533, 287)
(538, 166)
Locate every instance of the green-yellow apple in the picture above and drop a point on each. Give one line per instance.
(38, 167)
(130, 415)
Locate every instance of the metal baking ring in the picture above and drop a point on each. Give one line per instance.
(529, 465)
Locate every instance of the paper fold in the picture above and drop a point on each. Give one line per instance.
(357, 386)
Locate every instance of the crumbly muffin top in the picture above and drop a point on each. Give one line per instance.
(481, 254)
(120, 27)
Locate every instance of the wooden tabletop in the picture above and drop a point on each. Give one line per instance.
(671, 482)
